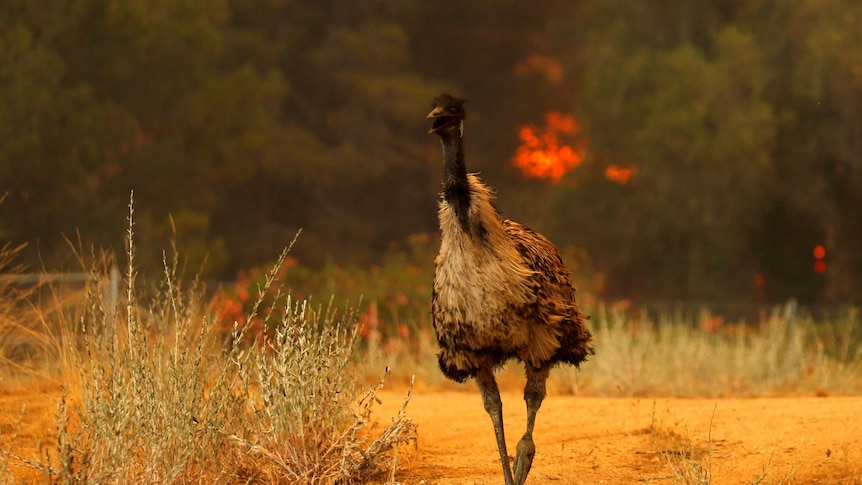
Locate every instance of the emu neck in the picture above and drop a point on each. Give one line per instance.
(456, 190)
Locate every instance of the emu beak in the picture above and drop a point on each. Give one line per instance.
(436, 112)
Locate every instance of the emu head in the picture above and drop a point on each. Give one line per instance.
(448, 114)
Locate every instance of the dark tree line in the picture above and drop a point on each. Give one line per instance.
(238, 122)
(744, 122)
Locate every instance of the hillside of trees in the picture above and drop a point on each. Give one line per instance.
(714, 147)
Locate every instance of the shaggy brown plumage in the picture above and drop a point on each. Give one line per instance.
(500, 291)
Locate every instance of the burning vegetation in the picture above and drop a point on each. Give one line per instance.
(541, 153)
(554, 149)
(618, 174)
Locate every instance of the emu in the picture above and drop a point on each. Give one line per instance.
(500, 292)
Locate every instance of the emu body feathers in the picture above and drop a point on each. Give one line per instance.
(500, 291)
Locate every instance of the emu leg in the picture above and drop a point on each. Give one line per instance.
(494, 407)
(534, 394)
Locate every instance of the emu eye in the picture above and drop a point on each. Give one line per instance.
(453, 109)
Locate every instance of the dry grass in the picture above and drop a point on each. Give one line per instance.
(300, 389)
(678, 356)
(693, 465)
(156, 394)
(16, 338)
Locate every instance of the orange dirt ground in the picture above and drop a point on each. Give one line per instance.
(611, 440)
(588, 440)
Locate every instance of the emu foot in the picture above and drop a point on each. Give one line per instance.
(524, 459)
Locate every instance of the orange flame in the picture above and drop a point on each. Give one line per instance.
(819, 252)
(542, 155)
(619, 175)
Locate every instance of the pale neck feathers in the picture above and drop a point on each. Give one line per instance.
(486, 255)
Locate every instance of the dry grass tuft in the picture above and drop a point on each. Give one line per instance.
(158, 394)
(304, 421)
(692, 465)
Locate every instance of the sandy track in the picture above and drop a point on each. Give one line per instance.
(592, 440)
(619, 440)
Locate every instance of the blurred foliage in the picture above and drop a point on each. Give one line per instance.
(739, 126)
(395, 295)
